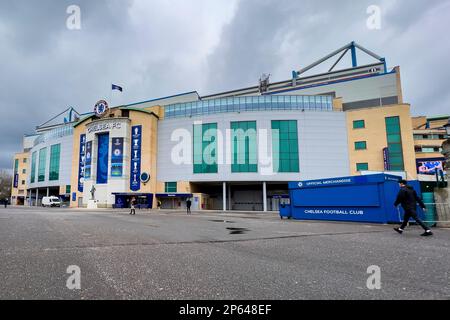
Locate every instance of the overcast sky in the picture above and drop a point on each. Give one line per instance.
(156, 48)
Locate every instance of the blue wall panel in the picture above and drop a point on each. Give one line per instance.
(102, 158)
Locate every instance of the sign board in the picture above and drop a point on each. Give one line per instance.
(136, 143)
(81, 159)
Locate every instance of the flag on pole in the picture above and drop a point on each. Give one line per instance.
(116, 87)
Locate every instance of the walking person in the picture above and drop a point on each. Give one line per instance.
(408, 198)
(133, 206)
(6, 203)
(188, 206)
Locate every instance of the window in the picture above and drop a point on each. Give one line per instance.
(24, 160)
(23, 182)
(68, 189)
(244, 154)
(394, 139)
(170, 187)
(359, 124)
(16, 166)
(55, 152)
(41, 166)
(285, 146)
(33, 167)
(361, 145)
(24, 171)
(205, 148)
(362, 167)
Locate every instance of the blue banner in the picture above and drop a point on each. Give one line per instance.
(102, 158)
(81, 159)
(16, 180)
(387, 164)
(117, 157)
(136, 142)
(88, 161)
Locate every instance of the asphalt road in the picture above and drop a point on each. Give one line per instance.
(167, 255)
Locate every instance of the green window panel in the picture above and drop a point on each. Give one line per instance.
(285, 146)
(170, 187)
(41, 166)
(55, 156)
(68, 189)
(33, 167)
(16, 166)
(362, 167)
(244, 153)
(361, 145)
(205, 148)
(359, 124)
(394, 139)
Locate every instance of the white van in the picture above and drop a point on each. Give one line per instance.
(51, 202)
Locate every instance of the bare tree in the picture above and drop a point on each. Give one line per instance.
(5, 185)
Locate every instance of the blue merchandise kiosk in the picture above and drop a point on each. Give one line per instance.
(355, 199)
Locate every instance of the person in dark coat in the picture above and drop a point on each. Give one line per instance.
(188, 206)
(5, 202)
(408, 199)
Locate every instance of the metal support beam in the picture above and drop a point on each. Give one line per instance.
(37, 197)
(338, 60)
(370, 53)
(323, 59)
(354, 60)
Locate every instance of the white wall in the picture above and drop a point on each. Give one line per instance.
(323, 146)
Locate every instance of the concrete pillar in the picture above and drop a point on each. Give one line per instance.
(229, 196)
(224, 196)
(264, 196)
(48, 192)
(37, 197)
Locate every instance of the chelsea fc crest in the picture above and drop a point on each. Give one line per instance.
(101, 108)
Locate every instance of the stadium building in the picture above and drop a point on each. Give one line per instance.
(234, 150)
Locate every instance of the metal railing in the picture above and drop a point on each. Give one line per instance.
(437, 215)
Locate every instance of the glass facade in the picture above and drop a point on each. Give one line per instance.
(244, 152)
(362, 167)
(205, 148)
(170, 187)
(394, 139)
(33, 167)
(42, 162)
(359, 124)
(55, 155)
(285, 146)
(361, 145)
(60, 132)
(243, 104)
